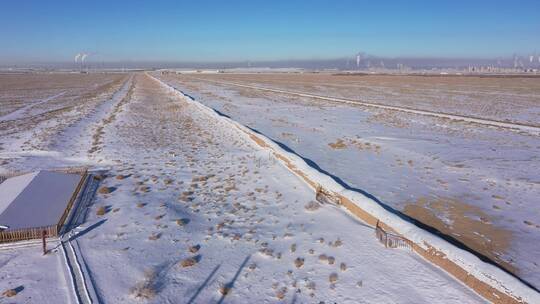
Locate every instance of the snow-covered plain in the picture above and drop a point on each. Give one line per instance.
(476, 183)
(197, 213)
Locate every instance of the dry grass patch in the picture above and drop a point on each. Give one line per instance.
(333, 277)
(337, 243)
(106, 190)
(102, 210)
(9, 293)
(194, 248)
(144, 189)
(146, 289)
(338, 145)
(189, 262)
(331, 260)
(182, 222)
(312, 206)
(281, 293)
(225, 289)
(293, 248)
(154, 236)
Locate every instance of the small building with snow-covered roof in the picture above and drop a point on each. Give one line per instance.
(35, 202)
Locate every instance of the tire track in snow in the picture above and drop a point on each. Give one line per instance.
(531, 129)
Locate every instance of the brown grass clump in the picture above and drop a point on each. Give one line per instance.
(140, 205)
(182, 222)
(147, 288)
(343, 266)
(154, 236)
(105, 190)
(312, 206)
(281, 293)
(101, 211)
(333, 277)
(299, 262)
(331, 260)
(189, 262)
(194, 248)
(339, 144)
(9, 293)
(323, 258)
(224, 289)
(293, 248)
(337, 243)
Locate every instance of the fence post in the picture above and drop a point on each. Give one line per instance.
(43, 235)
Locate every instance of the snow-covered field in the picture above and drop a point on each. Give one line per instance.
(35, 108)
(510, 99)
(196, 213)
(476, 183)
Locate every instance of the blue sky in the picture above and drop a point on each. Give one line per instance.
(264, 30)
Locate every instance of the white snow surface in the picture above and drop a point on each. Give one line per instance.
(37, 278)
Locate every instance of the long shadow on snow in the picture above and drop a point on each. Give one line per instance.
(230, 285)
(204, 284)
(403, 216)
(88, 229)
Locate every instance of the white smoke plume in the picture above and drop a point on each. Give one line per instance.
(77, 57)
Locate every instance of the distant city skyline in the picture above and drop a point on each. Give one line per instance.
(235, 31)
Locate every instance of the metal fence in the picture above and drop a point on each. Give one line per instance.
(391, 240)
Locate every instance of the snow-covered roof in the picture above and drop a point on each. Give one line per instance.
(12, 187)
(36, 199)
